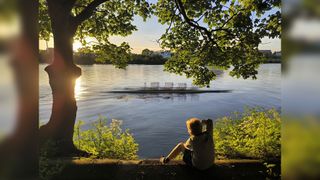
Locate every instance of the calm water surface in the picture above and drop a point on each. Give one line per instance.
(158, 121)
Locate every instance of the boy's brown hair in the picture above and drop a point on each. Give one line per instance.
(194, 126)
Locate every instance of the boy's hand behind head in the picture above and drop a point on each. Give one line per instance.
(206, 121)
(207, 125)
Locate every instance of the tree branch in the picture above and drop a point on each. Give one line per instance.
(171, 21)
(201, 17)
(194, 24)
(88, 11)
(170, 25)
(235, 14)
(188, 20)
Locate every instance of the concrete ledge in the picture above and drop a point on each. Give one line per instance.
(152, 169)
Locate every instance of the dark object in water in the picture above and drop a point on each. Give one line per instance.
(176, 91)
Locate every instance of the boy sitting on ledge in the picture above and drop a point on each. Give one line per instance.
(198, 150)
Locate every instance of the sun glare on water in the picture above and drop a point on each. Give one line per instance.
(78, 89)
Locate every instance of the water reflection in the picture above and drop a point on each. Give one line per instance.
(78, 89)
(158, 97)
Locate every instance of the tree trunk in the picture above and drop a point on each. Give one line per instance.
(18, 152)
(62, 77)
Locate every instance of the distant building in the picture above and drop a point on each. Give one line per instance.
(267, 53)
(165, 54)
(277, 54)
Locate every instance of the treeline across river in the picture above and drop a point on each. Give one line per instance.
(91, 58)
(147, 57)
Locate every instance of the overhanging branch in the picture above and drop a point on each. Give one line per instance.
(195, 24)
(190, 21)
(88, 11)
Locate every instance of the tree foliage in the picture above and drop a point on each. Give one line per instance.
(147, 52)
(224, 33)
(96, 21)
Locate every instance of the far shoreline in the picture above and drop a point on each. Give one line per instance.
(89, 64)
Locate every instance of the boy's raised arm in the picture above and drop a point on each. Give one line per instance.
(209, 124)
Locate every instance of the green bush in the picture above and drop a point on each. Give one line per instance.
(48, 168)
(105, 140)
(253, 134)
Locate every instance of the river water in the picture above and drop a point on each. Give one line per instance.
(157, 121)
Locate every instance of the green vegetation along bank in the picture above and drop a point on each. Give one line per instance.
(253, 134)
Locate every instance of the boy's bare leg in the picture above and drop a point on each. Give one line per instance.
(176, 151)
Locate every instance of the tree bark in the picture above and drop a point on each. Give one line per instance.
(19, 151)
(62, 77)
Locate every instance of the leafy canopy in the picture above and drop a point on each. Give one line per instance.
(223, 33)
(201, 34)
(97, 20)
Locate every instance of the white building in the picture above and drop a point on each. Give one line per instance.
(266, 52)
(164, 54)
(277, 53)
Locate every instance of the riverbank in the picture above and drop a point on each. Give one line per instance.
(273, 61)
(78, 62)
(252, 138)
(152, 169)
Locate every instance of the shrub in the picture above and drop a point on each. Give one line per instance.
(253, 134)
(48, 168)
(106, 141)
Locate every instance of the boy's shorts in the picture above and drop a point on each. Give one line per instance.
(187, 157)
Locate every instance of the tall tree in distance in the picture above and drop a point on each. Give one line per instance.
(147, 52)
(223, 33)
(67, 20)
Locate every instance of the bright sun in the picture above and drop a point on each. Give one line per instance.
(76, 45)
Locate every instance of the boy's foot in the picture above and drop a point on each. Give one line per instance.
(164, 160)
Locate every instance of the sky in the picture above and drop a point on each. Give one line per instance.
(150, 31)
